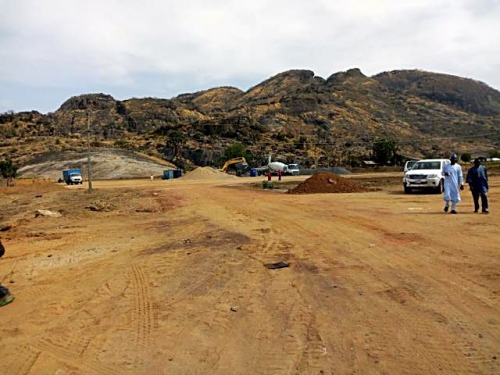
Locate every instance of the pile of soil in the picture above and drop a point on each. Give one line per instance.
(207, 173)
(327, 182)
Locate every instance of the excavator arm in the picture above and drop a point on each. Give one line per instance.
(240, 164)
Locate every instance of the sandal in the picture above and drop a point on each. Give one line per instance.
(6, 300)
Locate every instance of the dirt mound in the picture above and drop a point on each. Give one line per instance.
(207, 173)
(326, 182)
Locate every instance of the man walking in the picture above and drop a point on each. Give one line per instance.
(453, 183)
(477, 178)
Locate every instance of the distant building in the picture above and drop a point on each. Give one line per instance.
(369, 163)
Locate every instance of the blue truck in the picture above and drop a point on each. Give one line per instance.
(73, 176)
(169, 174)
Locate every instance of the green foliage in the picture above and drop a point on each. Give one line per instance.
(431, 155)
(235, 150)
(300, 144)
(267, 185)
(465, 157)
(176, 140)
(280, 136)
(354, 161)
(8, 171)
(384, 151)
(121, 143)
(495, 154)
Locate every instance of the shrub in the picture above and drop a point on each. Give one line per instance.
(465, 157)
(267, 185)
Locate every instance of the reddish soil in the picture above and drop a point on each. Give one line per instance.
(326, 182)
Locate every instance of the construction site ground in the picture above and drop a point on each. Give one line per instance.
(174, 277)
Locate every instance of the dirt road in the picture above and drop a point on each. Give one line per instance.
(169, 277)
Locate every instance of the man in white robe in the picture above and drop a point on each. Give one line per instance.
(453, 183)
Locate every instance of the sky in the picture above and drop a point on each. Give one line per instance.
(51, 50)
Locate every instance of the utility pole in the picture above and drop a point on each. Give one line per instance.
(88, 153)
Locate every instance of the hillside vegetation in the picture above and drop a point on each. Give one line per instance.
(295, 116)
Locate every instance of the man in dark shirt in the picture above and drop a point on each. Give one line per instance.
(477, 178)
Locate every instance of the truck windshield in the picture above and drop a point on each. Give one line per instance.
(427, 165)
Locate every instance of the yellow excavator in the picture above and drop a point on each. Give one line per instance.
(236, 166)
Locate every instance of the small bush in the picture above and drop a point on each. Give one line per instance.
(267, 185)
(465, 157)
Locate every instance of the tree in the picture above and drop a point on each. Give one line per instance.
(465, 157)
(176, 140)
(8, 171)
(235, 150)
(494, 154)
(385, 151)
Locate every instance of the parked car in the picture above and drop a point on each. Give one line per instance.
(425, 174)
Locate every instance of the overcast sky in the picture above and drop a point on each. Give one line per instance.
(51, 50)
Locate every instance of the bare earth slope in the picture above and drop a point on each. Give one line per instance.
(105, 164)
(169, 278)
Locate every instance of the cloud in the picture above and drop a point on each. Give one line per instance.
(165, 48)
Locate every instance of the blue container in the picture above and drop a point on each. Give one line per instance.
(253, 172)
(177, 173)
(168, 174)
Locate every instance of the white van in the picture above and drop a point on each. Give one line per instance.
(425, 174)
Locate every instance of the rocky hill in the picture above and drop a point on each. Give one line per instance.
(295, 115)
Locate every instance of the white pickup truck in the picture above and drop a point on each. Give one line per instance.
(425, 174)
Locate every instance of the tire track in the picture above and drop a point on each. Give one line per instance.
(22, 361)
(425, 328)
(73, 355)
(143, 317)
(457, 335)
(291, 349)
(32, 292)
(419, 327)
(412, 302)
(289, 325)
(314, 353)
(477, 352)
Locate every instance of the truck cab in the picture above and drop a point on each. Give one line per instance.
(73, 176)
(293, 169)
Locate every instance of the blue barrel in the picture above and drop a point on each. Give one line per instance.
(253, 172)
(168, 174)
(177, 173)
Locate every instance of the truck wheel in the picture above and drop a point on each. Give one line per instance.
(407, 190)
